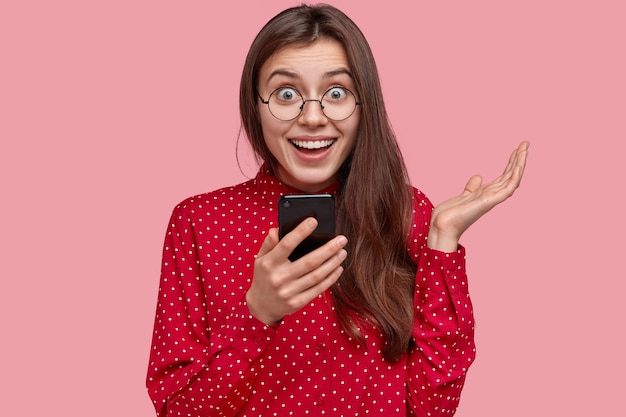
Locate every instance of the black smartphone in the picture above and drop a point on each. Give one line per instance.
(294, 208)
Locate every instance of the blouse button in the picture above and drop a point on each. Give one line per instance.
(319, 346)
(319, 401)
(258, 341)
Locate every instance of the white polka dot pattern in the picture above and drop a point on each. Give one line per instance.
(210, 357)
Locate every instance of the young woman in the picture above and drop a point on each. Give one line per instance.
(376, 322)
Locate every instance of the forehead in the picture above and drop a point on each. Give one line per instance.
(323, 58)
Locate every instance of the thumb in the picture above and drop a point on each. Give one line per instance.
(270, 241)
(473, 184)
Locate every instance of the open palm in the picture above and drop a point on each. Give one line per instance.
(454, 216)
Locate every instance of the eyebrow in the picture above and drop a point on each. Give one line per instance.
(296, 76)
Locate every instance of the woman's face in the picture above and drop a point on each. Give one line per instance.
(311, 148)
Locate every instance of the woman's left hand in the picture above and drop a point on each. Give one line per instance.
(454, 216)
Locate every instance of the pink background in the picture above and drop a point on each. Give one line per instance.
(112, 112)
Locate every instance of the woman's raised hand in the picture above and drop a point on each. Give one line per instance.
(281, 287)
(454, 216)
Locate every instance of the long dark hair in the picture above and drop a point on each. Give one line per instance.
(375, 199)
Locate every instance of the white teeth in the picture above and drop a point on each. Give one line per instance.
(308, 144)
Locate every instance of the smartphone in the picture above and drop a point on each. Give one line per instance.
(293, 209)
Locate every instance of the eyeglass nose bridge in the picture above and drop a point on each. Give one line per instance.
(311, 99)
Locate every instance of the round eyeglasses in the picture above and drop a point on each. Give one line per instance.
(286, 103)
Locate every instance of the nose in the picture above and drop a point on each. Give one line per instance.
(312, 114)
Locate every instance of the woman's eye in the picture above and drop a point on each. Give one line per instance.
(336, 93)
(287, 94)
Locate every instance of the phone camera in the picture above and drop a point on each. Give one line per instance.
(286, 203)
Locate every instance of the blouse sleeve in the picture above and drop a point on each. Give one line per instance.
(444, 327)
(194, 371)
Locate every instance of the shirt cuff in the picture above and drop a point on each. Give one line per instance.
(452, 266)
(245, 333)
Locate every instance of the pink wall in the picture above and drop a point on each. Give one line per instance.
(110, 114)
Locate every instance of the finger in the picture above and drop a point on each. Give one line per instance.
(514, 177)
(269, 242)
(513, 162)
(472, 185)
(516, 163)
(518, 171)
(502, 180)
(316, 258)
(523, 156)
(518, 155)
(318, 264)
(524, 145)
(304, 297)
(292, 239)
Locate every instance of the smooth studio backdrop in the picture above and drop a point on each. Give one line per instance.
(111, 112)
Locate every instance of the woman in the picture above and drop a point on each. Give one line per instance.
(378, 320)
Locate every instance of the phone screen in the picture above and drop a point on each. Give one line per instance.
(293, 209)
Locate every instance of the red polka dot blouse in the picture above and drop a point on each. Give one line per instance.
(211, 357)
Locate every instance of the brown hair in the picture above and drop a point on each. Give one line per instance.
(375, 200)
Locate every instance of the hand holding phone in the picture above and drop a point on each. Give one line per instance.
(280, 286)
(294, 209)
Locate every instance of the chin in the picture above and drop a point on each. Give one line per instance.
(313, 184)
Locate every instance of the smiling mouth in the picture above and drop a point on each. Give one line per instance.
(313, 144)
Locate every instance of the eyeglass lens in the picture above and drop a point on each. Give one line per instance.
(287, 103)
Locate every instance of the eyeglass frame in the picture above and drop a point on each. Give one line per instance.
(304, 101)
